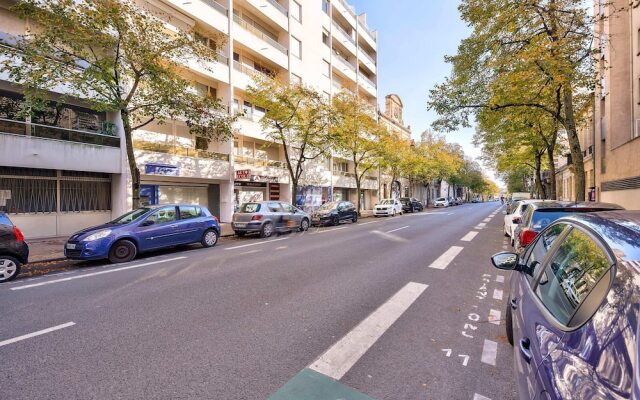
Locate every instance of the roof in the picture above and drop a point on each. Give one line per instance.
(551, 204)
(619, 229)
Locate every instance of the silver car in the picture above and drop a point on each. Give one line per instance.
(267, 217)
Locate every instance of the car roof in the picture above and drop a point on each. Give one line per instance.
(620, 229)
(553, 204)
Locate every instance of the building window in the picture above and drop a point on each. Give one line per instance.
(325, 37)
(325, 6)
(326, 68)
(296, 47)
(236, 105)
(340, 166)
(295, 79)
(296, 11)
(247, 108)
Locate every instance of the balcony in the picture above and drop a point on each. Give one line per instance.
(345, 67)
(368, 35)
(367, 84)
(256, 162)
(31, 145)
(263, 167)
(248, 72)
(347, 11)
(218, 70)
(273, 10)
(255, 39)
(367, 61)
(344, 38)
(202, 11)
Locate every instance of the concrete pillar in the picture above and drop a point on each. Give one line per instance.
(120, 183)
(226, 201)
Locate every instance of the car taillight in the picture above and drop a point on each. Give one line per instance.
(19, 235)
(256, 217)
(526, 236)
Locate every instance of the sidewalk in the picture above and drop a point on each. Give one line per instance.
(52, 249)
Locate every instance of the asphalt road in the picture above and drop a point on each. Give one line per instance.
(393, 308)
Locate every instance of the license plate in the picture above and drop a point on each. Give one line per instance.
(71, 246)
(240, 224)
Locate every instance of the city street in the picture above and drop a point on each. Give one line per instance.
(392, 308)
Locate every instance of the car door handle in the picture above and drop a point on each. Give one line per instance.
(173, 226)
(514, 303)
(525, 349)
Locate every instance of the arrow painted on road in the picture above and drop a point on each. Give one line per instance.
(448, 352)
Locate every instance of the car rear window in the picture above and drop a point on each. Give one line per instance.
(250, 208)
(440, 199)
(4, 220)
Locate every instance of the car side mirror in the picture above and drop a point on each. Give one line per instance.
(505, 260)
(148, 222)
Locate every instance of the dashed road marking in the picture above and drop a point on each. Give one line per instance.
(34, 334)
(494, 317)
(489, 352)
(497, 294)
(330, 230)
(397, 229)
(500, 278)
(107, 271)
(340, 357)
(486, 219)
(482, 224)
(443, 261)
(254, 244)
(469, 236)
(477, 396)
(367, 223)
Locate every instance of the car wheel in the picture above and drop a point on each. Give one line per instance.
(355, 218)
(122, 251)
(304, 225)
(509, 324)
(267, 230)
(335, 221)
(240, 233)
(393, 213)
(209, 238)
(9, 268)
(413, 210)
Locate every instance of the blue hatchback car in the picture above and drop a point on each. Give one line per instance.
(574, 308)
(144, 229)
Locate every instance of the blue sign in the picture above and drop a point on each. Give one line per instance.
(161, 169)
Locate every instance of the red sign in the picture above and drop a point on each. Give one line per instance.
(243, 173)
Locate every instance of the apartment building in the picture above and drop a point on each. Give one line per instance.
(616, 144)
(391, 117)
(320, 43)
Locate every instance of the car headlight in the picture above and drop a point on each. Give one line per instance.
(98, 235)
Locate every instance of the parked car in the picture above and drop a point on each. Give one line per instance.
(14, 251)
(144, 229)
(388, 207)
(475, 200)
(539, 214)
(334, 212)
(572, 313)
(441, 202)
(268, 217)
(513, 218)
(409, 204)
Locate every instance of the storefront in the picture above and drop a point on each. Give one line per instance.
(310, 197)
(249, 187)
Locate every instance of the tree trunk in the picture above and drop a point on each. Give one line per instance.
(294, 191)
(552, 172)
(574, 143)
(539, 186)
(357, 193)
(133, 167)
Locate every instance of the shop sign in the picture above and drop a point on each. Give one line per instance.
(250, 184)
(4, 196)
(161, 169)
(262, 178)
(243, 173)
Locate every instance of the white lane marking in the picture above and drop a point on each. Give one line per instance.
(397, 229)
(482, 224)
(340, 357)
(497, 294)
(478, 227)
(107, 271)
(486, 220)
(249, 252)
(489, 352)
(282, 247)
(34, 334)
(494, 317)
(477, 396)
(254, 244)
(469, 236)
(500, 278)
(330, 230)
(443, 261)
(367, 223)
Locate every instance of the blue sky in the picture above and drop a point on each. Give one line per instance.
(413, 38)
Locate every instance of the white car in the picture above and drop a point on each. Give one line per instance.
(388, 207)
(442, 202)
(512, 220)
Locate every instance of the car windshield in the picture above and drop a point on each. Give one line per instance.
(131, 216)
(250, 208)
(387, 202)
(441, 199)
(404, 201)
(328, 206)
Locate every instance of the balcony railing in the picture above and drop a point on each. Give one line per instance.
(278, 6)
(248, 70)
(219, 7)
(179, 150)
(343, 173)
(222, 59)
(57, 133)
(260, 34)
(369, 81)
(368, 57)
(344, 61)
(351, 38)
(259, 162)
(369, 31)
(350, 9)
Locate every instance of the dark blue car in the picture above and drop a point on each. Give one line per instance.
(144, 229)
(573, 309)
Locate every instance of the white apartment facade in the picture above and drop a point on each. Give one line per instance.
(323, 44)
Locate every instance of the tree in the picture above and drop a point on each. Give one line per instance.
(356, 131)
(392, 151)
(116, 57)
(298, 118)
(530, 55)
